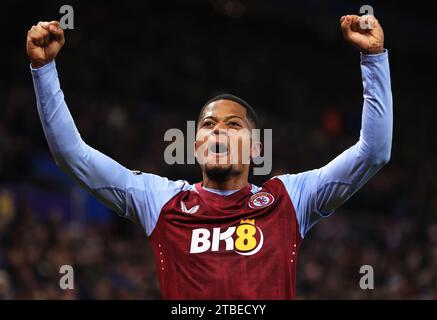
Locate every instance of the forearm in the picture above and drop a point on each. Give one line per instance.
(62, 136)
(347, 173)
(95, 171)
(377, 120)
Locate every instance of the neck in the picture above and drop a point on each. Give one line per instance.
(232, 183)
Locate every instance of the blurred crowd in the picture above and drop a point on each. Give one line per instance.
(129, 73)
(109, 261)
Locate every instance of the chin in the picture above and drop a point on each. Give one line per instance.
(218, 172)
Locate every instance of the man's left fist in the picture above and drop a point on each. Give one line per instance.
(363, 32)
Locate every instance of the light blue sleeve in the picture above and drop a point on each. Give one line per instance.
(317, 193)
(134, 195)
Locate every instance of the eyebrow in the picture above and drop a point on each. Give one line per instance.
(226, 118)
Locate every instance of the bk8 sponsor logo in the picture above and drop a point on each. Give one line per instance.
(249, 239)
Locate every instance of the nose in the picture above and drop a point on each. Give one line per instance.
(220, 128)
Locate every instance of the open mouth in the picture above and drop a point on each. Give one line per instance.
(218, 148)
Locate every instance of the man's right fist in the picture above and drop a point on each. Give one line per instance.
(44, 42)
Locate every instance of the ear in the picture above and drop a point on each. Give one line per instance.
(256, 149)
(196, 146)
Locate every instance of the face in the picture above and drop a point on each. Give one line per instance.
(224, 144)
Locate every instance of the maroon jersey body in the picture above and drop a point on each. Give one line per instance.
(241, 246)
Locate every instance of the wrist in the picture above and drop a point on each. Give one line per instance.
(43, 69)
(375, 50)
(372, 58)
(38, 63)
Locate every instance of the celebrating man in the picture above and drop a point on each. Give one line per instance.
(223, 238)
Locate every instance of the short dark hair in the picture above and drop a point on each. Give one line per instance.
(250, 112)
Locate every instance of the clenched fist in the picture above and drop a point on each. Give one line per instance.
(363, 32)
(44, 42)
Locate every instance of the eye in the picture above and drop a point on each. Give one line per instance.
(234, 124)
(207, 124)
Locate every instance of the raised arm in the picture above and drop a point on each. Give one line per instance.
(131, 194)
(319, 192)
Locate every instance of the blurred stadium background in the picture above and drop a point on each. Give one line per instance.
(131, 70)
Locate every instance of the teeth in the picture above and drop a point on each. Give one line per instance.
(218, 148)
